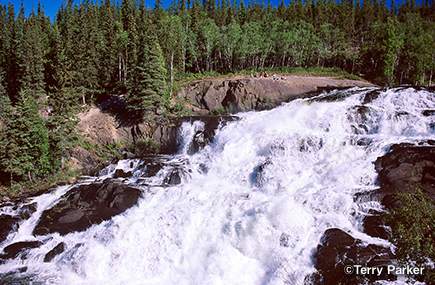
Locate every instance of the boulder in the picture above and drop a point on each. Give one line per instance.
(405, 168)
(338, 250)
(58, 249)
(120, 173)
(85, 205)
(8, 224)
(173, 178)
(19, 248)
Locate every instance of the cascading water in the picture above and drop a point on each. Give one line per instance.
(248, 208)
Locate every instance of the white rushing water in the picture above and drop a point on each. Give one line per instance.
(288, 173)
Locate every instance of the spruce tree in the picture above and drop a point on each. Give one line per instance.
(146, 92)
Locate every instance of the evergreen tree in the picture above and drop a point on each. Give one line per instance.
(148, 86)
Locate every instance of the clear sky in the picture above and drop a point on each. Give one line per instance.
(52, 6)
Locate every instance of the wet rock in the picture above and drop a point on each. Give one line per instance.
(374, 225)
(371, 96)
(58, 249)
(284, 240)
(152, 169)
(260, 173)
(173, 178)
(338, 249)
(15, 249)
(26, 211)
(120, 173)
(404, 168)
(8, 224)
(85, 205)
(199, 142)
(428, 113)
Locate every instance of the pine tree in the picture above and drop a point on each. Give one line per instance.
(148, 86)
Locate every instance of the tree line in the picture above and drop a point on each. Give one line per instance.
(92, 50)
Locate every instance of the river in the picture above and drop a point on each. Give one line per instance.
(252, 204)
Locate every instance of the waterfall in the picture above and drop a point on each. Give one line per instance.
(249, 207)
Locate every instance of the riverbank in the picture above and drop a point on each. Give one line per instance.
(107, 135)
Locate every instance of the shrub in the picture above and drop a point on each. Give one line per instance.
(413, 234)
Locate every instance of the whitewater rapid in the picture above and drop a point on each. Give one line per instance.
(252, 205)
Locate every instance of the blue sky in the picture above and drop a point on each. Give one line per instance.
(52, 6)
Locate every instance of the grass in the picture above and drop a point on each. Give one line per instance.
(336, 72)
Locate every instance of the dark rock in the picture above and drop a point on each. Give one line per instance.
(339, 249)
(374, 225)
(85, 205)
(173, 178)
(7, 225)
(13, 250)
(406, 167)
(259, 174)
(153, 168)
(371, 96)
(61, 183)
(26, 211)
(428, 113)
(120, 173)
(199, 142)
(128, 155)
(283, 240)
(211, 124)
(203, 168)
(58, 249)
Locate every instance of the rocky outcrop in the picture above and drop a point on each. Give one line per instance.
(405, 168)
(337, 254)
(110, 123)
(255, 93)
(18, 249)
(85, 205)
(103, 128)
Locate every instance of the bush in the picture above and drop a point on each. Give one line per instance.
(413, 234)
(147, 145)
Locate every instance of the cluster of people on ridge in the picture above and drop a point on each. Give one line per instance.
(264, 74)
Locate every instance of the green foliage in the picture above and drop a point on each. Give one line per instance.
(413, 228)
(219, 111)
(25, 148)
(149, 78)
(94, 50)
(147, 146)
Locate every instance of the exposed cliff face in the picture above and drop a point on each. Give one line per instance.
(102, 128)
(248, 94)
(109, 123)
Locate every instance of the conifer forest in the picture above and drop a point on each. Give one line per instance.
(93, 50)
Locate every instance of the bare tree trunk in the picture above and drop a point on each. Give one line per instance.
(172, 68)
(119, 69)
(83, 96)
(125, 67)
(430, 78)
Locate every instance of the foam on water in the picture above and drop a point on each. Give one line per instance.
(252, 205)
